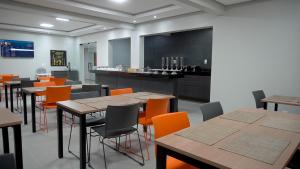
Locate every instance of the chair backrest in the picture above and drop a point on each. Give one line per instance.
(7, 78)
(73, 82)
(27, 83)
(7, 161)
(121, 91)
(58, 93)
(258, 95)
(165, 124)
(92, 87)
(43, 84)
(20, 79)
(85, 95)
(156, 107)
(120, 119)
(58, 81)
(211, 110)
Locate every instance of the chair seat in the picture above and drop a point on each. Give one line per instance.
(92, 121)
(173, 163)
(101, 131)
(144, 121)
(49, 105)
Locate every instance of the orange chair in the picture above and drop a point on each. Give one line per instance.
(169, 123)
(116, 92)
(43, 84)
(154, 107)
(53, 95)
(6, 78)
(58, 81)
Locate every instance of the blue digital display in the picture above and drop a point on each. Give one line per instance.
(16, 48)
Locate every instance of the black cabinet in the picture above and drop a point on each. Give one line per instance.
(194, 87)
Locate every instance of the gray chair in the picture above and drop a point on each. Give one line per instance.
(120, 121)
(90, 121)
(7, 161)
(91, 87)
(258, 95)
(211, 110)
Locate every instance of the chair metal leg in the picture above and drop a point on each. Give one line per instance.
(141, 147)
(70, 138)
(104, 153)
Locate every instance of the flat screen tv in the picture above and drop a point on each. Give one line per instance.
(16, 48)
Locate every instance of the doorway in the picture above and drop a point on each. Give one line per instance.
(90, 61)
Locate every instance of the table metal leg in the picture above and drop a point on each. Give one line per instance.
(33, 112)
(6, 96)
(25, 107)
(18, 146)
(265, 105)
(107, 91)
(174, 105)
(5, 140)
(161, 158)
(82, 137)
(59, 114)
(11, 99)
(276, 107)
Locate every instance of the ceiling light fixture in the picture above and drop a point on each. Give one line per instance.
(134, 21)
(104, 28)
(119, 1)
(46, 25)
(63, 19)
(154, 16)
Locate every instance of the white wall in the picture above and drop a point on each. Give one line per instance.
(26, 67)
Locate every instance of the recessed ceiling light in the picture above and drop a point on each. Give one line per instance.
(119, 1)
(46, 25)
(134, 21)
(104, 28)
(154, 16)
(63, 19)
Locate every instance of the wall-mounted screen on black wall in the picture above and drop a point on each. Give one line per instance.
(16, 48)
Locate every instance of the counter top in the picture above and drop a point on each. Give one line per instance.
(144, 74)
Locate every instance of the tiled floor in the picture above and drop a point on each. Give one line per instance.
(40, 149)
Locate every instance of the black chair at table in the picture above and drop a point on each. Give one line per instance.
(70, 82)
(90, 121)
(211, 110)
(120, 121)
(7, 161)
(258, 95)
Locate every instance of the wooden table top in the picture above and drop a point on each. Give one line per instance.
(85, 106)
(12, 83)
(8, 119)
(289, 100)
(219, 158)
(30, 90)
(140, 96)
(77, 107)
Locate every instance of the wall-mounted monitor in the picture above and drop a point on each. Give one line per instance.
(16, 48)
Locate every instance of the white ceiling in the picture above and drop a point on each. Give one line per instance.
(88, 16)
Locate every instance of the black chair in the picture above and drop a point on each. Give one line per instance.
(258, 95)
(90, 121)
(211, 110)
(120, 121)
(7, 161)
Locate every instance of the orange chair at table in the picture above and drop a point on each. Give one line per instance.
(53, 95)
(6, 78)
(58, 81)
(169, 123)
(116, 92)
(42, 84)
(154, 107)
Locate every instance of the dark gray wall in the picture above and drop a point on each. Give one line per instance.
(195, 46)
(119, 52)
